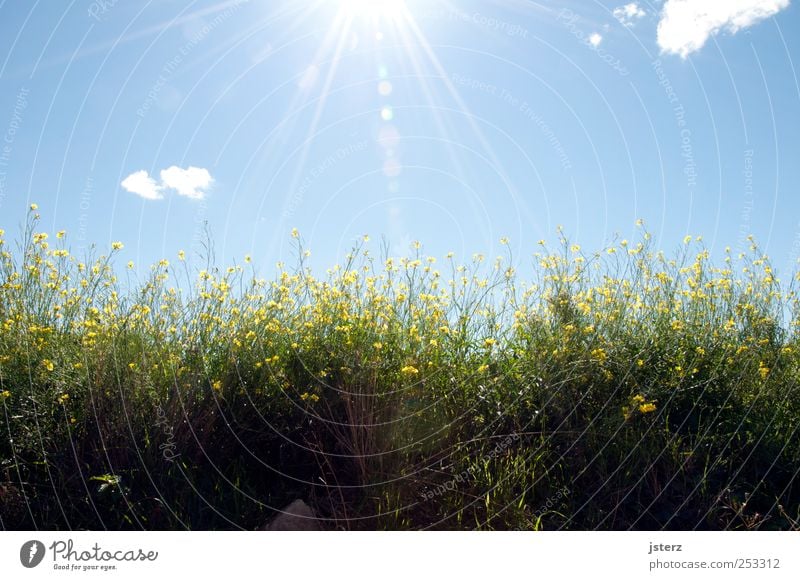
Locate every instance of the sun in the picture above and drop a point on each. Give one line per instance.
(373, 8)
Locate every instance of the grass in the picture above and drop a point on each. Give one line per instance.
(618, 390)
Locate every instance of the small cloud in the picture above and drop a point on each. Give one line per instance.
(629, 13)
(141, 184)
(190, 182)
(595, 39)
(686, 25)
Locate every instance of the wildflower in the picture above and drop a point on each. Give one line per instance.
(599, 355)
(132, 366)
(647, 408)
(489, 342)
(217, 385)
(60, 235)
(34, 207)
(687, 239)
(48, 364)
(247, 259)
(63, 398)
(4, 395)
(295, 233)
(639, 363)
(377, 345)
(409, 370)
(130, 265)
(763, 370)
(483, 368)
(504, 241)
(117, 246)
(181, 255)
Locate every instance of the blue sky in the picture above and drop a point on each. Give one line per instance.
(453, 123)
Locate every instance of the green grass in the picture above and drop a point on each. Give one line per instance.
(618, 390)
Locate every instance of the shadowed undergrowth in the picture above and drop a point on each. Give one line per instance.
(616, 390)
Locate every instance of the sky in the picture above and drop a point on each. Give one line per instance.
(455, 123)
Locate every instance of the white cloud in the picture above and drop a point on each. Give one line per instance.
(686, 25)
(629, 13)
(142, 185)
(595, 39)
(192, 182)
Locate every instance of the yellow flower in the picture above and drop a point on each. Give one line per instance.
(34, 207)
(295, 233)
(63, 398)
(377, 345)
(130, 265)
(181, 255)
(647, 408)
(48, 364)
(763, 370)
(409, 370)
(117, 246)
(60, 235)
(5, 394)
(483, 368)
(640, 363)
(217, 385)
(247, 259)
(131, 366)
(687, 239)
(504, 241)
(489, 342)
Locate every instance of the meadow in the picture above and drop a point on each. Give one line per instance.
(621, 389)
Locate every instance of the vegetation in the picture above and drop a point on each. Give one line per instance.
(618, 390)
